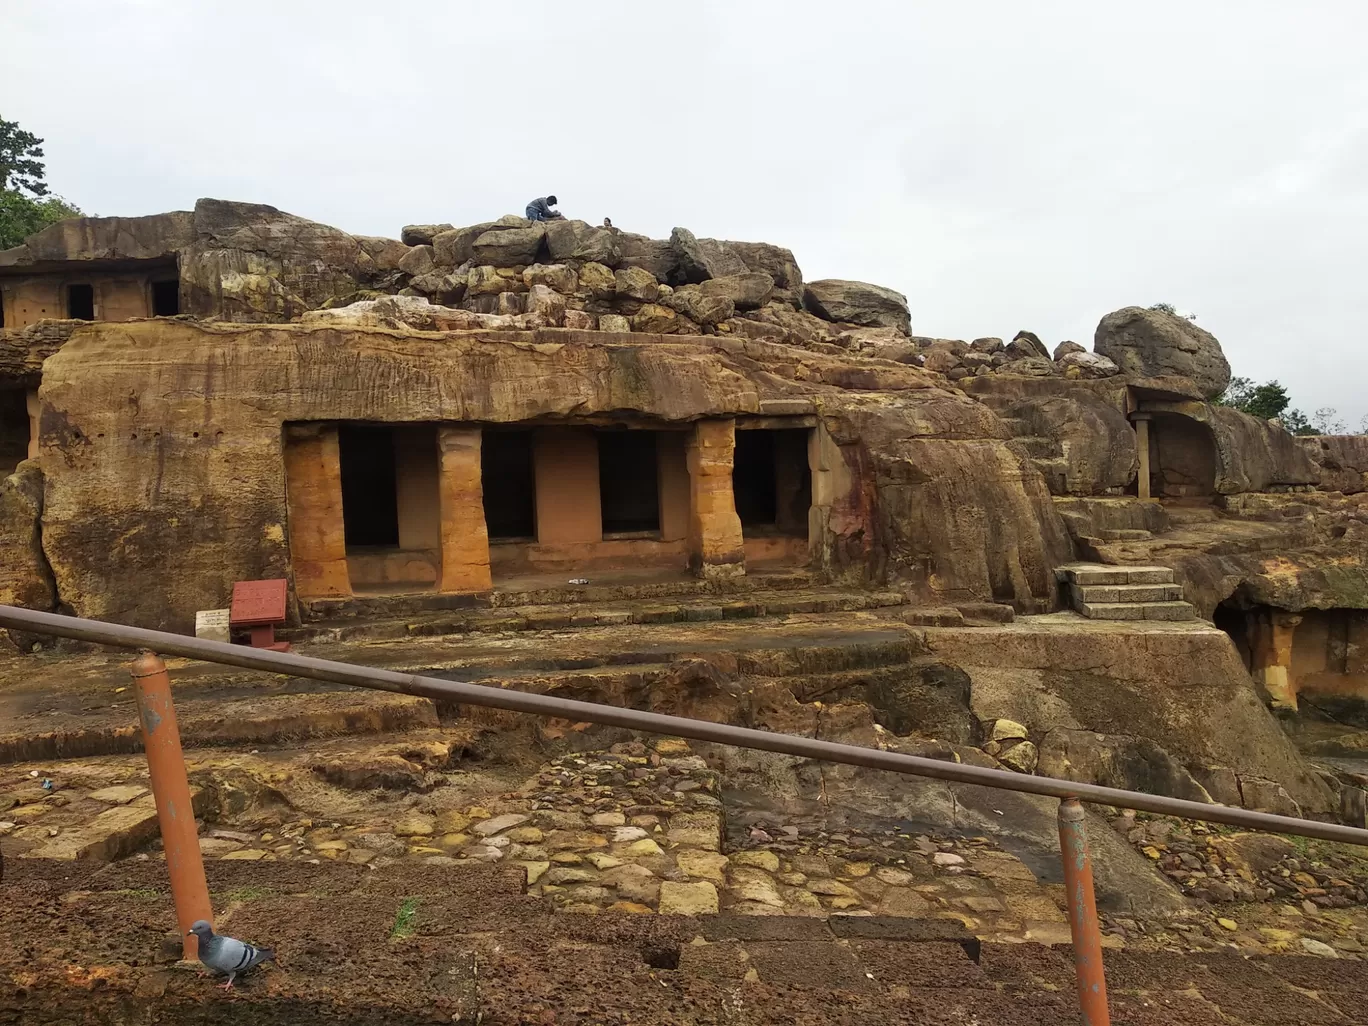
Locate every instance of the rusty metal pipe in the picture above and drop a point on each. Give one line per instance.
(1083, 925)
(290, 664)
(171, 790)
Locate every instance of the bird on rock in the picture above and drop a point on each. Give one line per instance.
(227, 955)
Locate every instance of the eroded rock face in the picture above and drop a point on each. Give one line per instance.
(1152, 343)
(858, 302)
(25, 579)
(1096, 440)
(925, 486)
(1342, 459)
(701, 259)
(106, 238)
(1147, 712)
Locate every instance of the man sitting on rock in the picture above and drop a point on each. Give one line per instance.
(540, 210)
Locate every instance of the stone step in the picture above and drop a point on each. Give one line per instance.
(1094, 594)
(609, 614)
(67, 710)
(1138, 610)
(1083, 574)
(614, 587)
(1124, 534)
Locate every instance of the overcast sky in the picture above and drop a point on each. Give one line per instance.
(1007, 165)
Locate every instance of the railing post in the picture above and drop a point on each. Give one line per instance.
(1083, 925)
(171, 789)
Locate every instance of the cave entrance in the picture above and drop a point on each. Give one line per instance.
(629, 483)
(390, 505)
(772, 486)
(1182, 457)
(80, 302)
(509, 485)
(165, 298)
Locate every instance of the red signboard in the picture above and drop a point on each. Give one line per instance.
(257, 603)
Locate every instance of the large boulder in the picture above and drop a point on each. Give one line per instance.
(512, 247)
(576, 240)
(701, 259)
(422, 234)
(654, 255)
(1154, 344)
(700, 306)
(1087, 365)
(456, 246)
(778, 263)
(747, 291)
(858, 302)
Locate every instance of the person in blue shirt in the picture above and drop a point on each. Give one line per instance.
(540, 210)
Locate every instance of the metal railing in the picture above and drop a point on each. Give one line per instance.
(182, 849)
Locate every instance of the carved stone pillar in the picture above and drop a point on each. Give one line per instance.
(313, 481)
(464, 537)
(716, 548)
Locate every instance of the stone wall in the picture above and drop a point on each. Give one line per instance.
(161, 445)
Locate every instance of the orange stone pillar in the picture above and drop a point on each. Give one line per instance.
(313, 483)
(464, 537)
(716, 548)
(1272, 656)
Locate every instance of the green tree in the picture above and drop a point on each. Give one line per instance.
(25, 203)
(1264, 401)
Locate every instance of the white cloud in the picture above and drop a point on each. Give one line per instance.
(1005, 165)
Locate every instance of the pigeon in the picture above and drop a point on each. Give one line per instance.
(227, 954)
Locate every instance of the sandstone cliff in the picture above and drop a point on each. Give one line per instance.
(161, 443)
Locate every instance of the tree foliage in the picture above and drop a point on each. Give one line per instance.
(21, 164)
(1265, 401)
(1270, 400)
(26, 205)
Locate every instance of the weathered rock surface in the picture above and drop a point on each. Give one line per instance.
(857, 302)
(701, 259)
(746, 291)
(775, 261)
(250, 262)
(1152, 343)
(107, 238)
(576, 240)
(929, 449)
(1089, 365)
(509, 247)
(1342, 459)
(1146, 711)
(25, 579)
(1096, 441)
(422, 234)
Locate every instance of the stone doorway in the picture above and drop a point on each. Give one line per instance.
(509, 485)
(629, 484)
(1182, 457)
(391, 523)
(772, 483)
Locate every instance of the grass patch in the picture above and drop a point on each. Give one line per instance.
(246, 894)
(403, 919)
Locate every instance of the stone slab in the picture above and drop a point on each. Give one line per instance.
(1092, 573)
(112, 834)
(1149, 575)
(1169, 611)
(1096, 593)
(1112, 610)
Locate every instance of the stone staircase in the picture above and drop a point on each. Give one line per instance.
(1045, 453)
(1103, 592)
